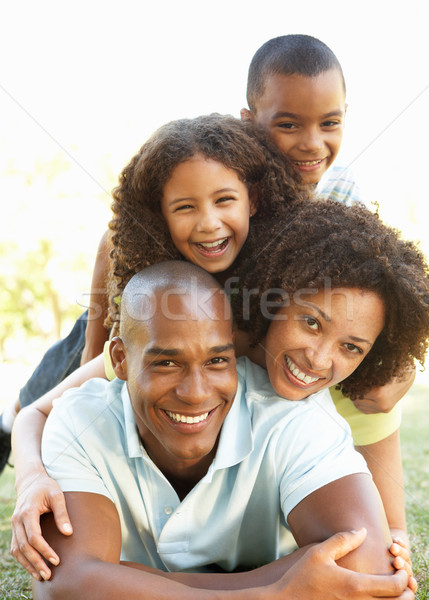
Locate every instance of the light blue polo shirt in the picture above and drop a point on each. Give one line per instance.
(338, 183)
(272, 453)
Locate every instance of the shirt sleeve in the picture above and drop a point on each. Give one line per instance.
(314, 449)
(366, 429)
(63, 452)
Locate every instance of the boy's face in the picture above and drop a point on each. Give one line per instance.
(320, 339)
(181, 377)
(305, 118)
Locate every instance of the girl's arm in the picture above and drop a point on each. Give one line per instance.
(96, 334)
(37, 492)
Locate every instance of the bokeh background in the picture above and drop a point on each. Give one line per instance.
(83, 84)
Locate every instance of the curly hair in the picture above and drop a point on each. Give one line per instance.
(140, 235)
(329, 244)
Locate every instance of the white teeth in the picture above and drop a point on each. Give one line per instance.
(299, 374)
(308, 163)
(185, 419)
(212, 244)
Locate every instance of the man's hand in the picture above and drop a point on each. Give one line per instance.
(28, 546)
(384, 398)
(317, 575)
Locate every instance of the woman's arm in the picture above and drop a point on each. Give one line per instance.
(96, 334)
(37, 492)
(384, 461)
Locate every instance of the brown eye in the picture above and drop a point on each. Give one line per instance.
(311, 322)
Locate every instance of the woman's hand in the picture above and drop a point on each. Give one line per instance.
(28, 546)
(402, 560)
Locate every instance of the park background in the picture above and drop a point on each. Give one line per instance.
(84, 83)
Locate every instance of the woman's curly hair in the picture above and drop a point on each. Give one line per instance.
(140, 235)
(327, 244)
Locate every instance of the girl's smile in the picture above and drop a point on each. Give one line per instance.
(207, 210)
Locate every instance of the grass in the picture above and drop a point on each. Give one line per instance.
(15, 584)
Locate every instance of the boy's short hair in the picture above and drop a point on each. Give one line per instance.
(288, 55)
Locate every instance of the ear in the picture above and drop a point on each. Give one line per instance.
(247, 115)
(253, 199)
(118, 358)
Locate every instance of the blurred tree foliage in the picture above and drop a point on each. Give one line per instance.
(27, 291)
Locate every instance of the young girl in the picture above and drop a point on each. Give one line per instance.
(341, 301)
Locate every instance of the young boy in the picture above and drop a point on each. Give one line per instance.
(296, 91)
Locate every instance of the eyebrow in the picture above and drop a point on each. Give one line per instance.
(158, 351)
(221, 191)
(282, 114)
(328, 318)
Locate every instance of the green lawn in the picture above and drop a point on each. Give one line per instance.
(15, 584)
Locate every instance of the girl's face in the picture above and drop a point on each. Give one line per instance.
(207, 210)
(319, 341)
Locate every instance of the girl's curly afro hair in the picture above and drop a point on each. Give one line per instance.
(140, 235)
(329, 244)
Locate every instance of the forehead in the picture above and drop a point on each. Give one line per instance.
(351, 310)
(320, 94)
(175, 317)
(196, 170)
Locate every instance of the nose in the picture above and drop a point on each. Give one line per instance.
(319, 356)
(208, 221)
(311, 140)
(194, 389)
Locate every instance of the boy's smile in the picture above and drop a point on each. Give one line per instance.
(318, 342)
(305, 118)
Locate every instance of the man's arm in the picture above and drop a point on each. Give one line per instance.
(90, 568)
(348, 503)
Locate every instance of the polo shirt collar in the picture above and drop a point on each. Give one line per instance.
(236, 440)
(134, 446)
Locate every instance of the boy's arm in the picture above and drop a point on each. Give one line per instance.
(96, 334)
(91, 564)
(384, 461)
(37, 492)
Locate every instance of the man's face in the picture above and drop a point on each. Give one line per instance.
(182, 379)
(304, 116)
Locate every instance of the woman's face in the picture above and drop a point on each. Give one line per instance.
(207, 210)
(319, 339)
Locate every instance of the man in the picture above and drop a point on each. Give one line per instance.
(188, 471)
